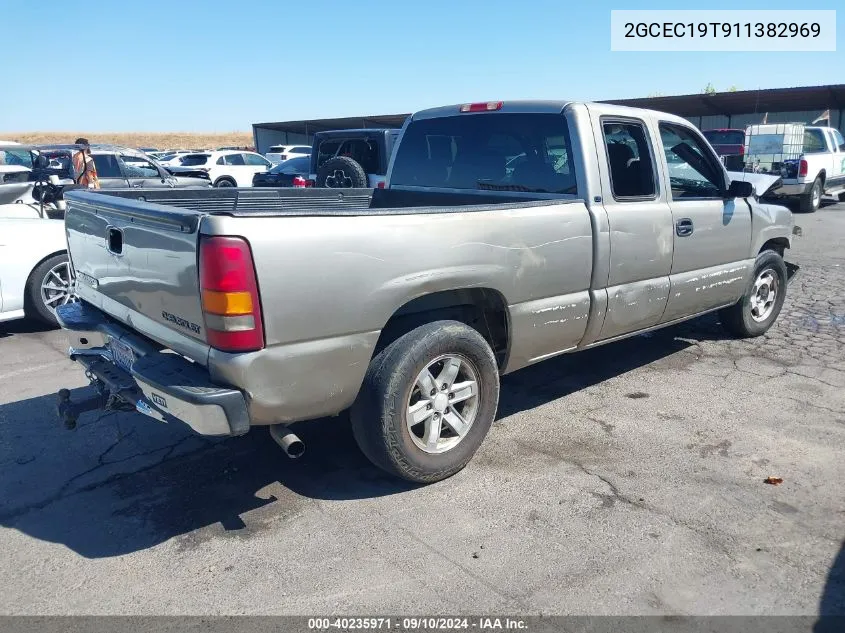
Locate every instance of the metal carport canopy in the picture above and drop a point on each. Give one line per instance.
(345, 123)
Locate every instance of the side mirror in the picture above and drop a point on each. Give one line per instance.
(740, 189)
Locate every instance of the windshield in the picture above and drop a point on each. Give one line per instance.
(491, 152)
(191, 160)
(293, 166)
(725, 137)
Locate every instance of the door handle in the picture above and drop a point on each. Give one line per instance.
(684, 227)
(137, 185)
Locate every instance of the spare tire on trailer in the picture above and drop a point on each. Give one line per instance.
(341, 172)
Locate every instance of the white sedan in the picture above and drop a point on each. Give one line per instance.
(35, 275)
(224, 168)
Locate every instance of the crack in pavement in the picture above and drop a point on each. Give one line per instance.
(63, 493)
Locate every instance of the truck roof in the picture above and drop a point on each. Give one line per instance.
(538, 106)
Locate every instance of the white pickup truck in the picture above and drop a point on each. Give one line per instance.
(810, 160)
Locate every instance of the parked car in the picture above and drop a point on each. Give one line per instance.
(352, 158)
(406, 304)
(810, 160)
(224, 169)
(15, 171)
(35, 276)
(173, 159)
(729, 145)
(120, 167)
(291, 173)
(280, 153)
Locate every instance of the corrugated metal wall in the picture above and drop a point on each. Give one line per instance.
(739, 121)
(265, 137)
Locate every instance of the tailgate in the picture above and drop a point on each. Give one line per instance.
(136, 259)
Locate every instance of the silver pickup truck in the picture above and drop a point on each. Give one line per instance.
(508, 233)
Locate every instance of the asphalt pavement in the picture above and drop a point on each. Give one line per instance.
(624, 480)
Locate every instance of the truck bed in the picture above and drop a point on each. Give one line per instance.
(270, 202)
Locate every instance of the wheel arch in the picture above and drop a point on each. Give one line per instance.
(225, 177)
(483, 309)
(777, 244)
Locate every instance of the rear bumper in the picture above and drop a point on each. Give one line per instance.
(163, 385)
(792, 189)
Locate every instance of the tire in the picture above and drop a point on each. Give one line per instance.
(225, 181)
(810, 201)
(341, 172)
(740, 319)
(47, 273)
(392, 383)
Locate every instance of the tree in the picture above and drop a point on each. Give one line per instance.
(709, 89)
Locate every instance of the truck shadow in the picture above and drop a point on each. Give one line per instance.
(126, 483)
(832, 603)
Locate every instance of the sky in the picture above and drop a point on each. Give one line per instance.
(219, 66)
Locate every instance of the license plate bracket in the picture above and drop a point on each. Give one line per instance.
(122, 355)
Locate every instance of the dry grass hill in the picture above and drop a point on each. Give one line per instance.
(159, 140)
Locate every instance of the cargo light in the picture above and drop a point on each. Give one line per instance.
(484, 106)
(229, 291)
(802, 168)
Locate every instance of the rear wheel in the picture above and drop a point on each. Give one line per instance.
(427, 402)
(811, 200)
(762, 301)
(50, 285)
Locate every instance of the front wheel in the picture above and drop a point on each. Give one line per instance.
(762, 301)
(427, 402)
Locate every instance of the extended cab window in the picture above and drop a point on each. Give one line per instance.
(489, 152)
(814, 142)
(107, 166)
(629, 158)
(693, 172)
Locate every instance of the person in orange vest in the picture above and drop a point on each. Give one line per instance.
(83, 165)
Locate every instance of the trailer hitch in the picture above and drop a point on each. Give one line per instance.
(69, 411)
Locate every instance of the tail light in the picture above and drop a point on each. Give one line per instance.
(484, 106)
(380, 185)
(802, 168)
(229, 290)
(300, 182)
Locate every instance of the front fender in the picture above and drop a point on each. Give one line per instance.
(769, 222)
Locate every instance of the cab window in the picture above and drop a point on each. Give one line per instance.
(629, 159)
(693, 170)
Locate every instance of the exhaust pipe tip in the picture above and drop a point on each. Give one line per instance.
(288, 440)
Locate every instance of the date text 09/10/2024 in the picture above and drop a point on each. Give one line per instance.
(418, 624)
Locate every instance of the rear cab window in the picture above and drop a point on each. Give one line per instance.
(630, 160)
(528, 152)
(814, 142)
(107, 166)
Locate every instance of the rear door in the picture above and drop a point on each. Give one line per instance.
(640, 224)
(711, 234)
(256, 164)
